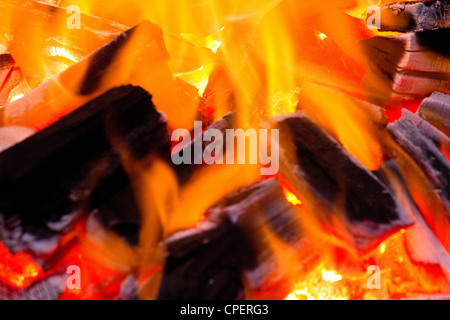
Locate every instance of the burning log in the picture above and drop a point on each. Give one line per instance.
(32, 33)
(209, 262)
(334, 183)
(73, 166)
(408, 66)
(415, 16)
(12, 81)
(432, 190)
(436, 110)
(137, 57)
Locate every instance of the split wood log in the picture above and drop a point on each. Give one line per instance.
(230, 248)
(343, 194)
(415, 16)
(38, 37)
(73, 166)
(436, 110)
(408, 66)
(138, 56)
(429, 180)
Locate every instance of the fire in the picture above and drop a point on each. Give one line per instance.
(18, 270)
(292, 198)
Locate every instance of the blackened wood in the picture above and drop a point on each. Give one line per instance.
(436, 170)
(436, 110)
(73, 166)
(415, 16)
(334, 183)
(211, 261)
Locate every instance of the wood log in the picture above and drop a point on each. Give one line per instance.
(37, 35)
(436, 110)
(12, 82)
(73, 166)
(429, 182)
(409, 66)
(415, 16)
(330, 180)
(212, 260)
(48, 288)
(137, 57)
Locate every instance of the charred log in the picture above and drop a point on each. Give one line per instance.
(73, 166)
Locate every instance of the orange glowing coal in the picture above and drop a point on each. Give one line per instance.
(18, 270)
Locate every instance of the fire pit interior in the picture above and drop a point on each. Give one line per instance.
(114, 184)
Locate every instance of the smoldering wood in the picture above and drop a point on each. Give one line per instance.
(332, 181)
(415, 16)
(428, 130)
(48, 288)
(73, 166)
(210, 261)
(422, 245)
(408, 66)
(436, 110)
(436, 170)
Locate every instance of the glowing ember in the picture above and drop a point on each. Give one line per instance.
(19, 270)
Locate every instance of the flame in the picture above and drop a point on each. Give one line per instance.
(292, 198)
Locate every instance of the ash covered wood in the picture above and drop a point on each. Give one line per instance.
(73, 166)
(415, 16)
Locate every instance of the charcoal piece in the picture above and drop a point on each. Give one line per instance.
(48, 288)
(73, 166)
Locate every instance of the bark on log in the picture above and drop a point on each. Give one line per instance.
(73, 166)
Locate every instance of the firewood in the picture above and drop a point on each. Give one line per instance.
(37, 35)
(48, 288)
(336, 185)
(436, 110)
(441, 140)
(210, 261)
(429, 182)
(422, 245)
(12, 82)
(415, 16)
(137, 57)
(73, 166)
(409, 66)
